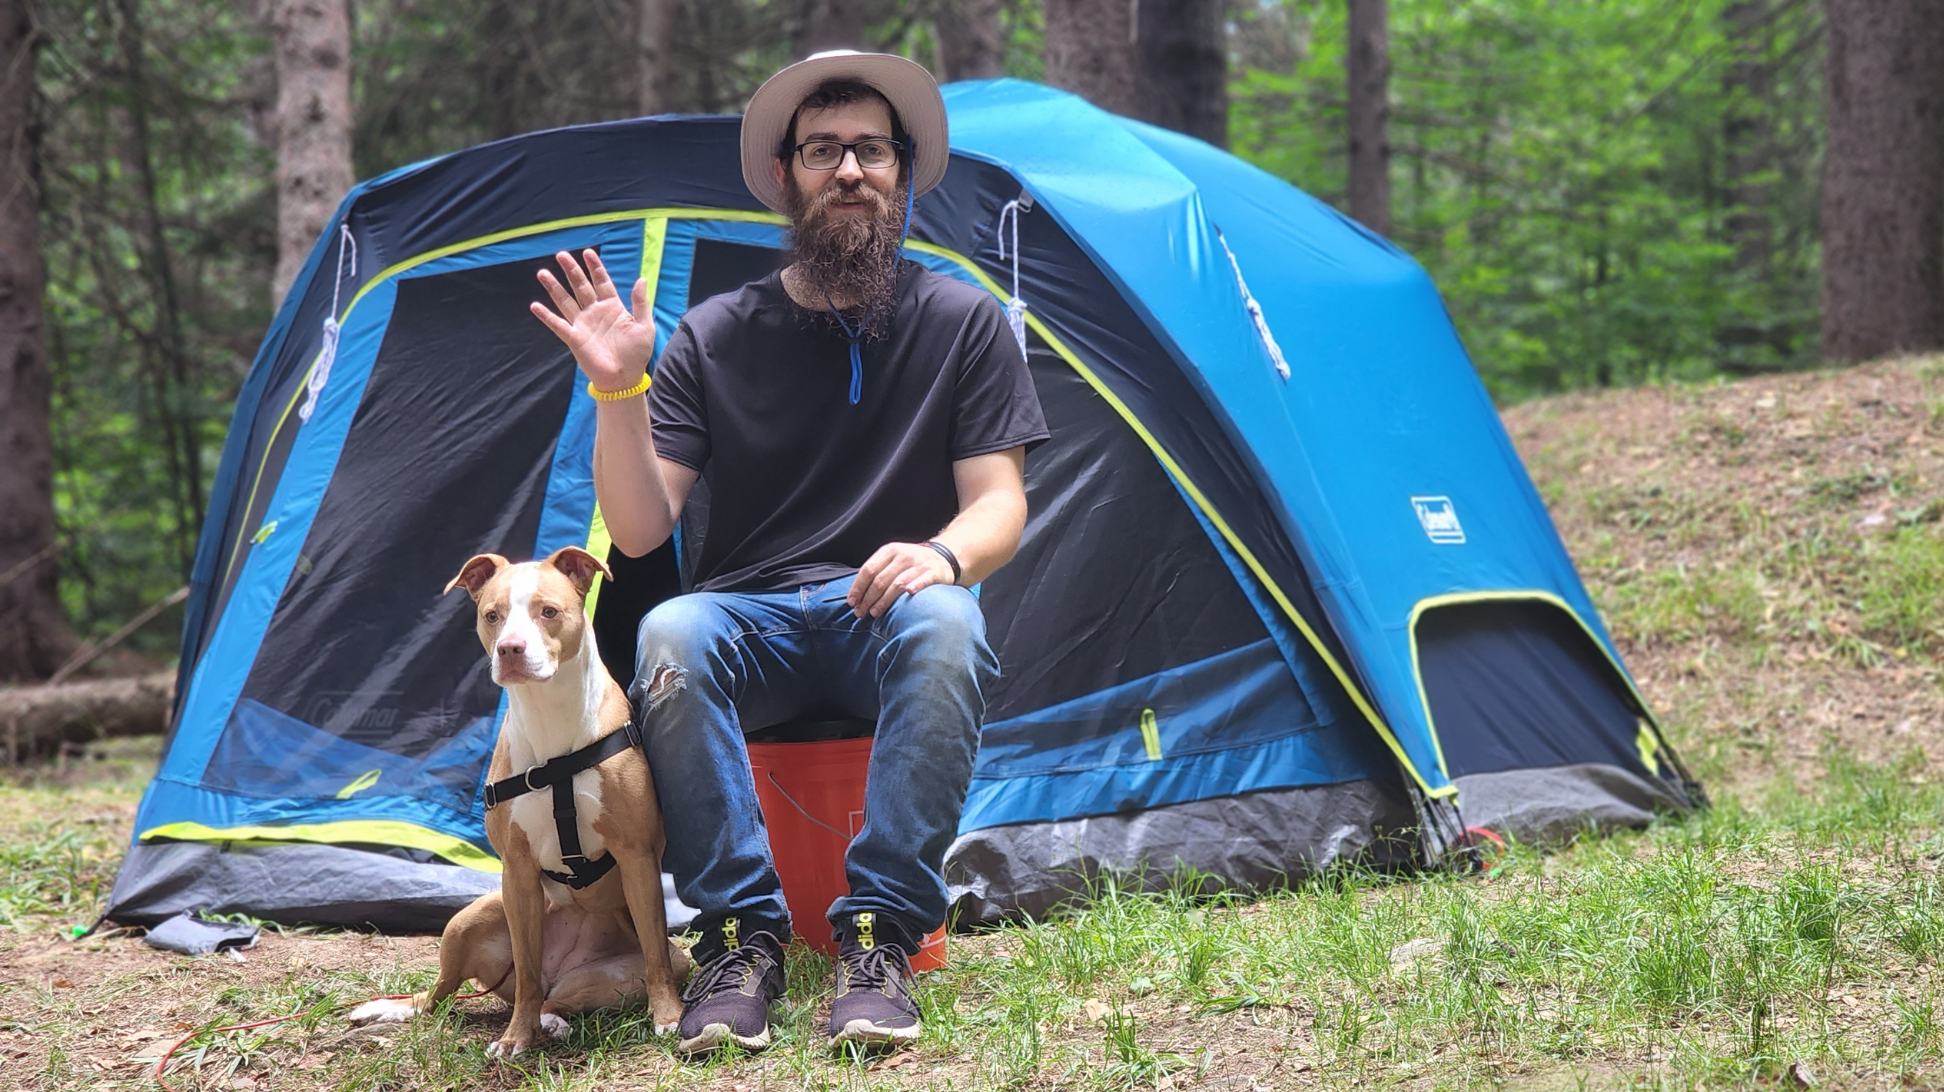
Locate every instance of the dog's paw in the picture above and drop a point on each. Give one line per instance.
(554, 1027)
(502, 1048)
(382, 1011)
(668, 1029)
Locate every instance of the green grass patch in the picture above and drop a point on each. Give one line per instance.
(1687, 602)
(1901, 588)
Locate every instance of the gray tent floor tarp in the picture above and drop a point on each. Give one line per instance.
(309, 885)
(1254, 841)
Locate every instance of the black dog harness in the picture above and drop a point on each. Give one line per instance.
(559, 775)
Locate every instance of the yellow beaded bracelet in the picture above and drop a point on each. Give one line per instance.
(616, 396)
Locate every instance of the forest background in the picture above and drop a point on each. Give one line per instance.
(1607, 193)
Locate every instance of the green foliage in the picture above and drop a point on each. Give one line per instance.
(1560, 171)
(157, 233)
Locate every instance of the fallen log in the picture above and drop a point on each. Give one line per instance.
(38, 720)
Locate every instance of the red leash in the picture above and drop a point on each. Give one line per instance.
(162, 1063)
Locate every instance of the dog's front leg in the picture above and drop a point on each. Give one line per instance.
(641, 880)
(526, 913)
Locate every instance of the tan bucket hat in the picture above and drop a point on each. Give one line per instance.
(911, 90)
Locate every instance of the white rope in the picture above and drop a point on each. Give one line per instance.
(327, 349)
(1016, 306)
(1255, 311)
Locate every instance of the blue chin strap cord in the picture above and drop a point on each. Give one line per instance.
(854, 336)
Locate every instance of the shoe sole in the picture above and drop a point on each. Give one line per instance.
(714, 1037)
(869, 1034)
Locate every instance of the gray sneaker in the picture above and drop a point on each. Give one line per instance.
(727, 1000)
(873, 1006)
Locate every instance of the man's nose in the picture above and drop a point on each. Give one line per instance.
(511, 646)
(849, 169)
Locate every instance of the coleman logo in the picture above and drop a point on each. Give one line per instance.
(1439, 519)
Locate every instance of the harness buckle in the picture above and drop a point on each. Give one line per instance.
(528, 777)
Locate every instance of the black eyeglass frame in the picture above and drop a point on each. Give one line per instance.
(897, 149)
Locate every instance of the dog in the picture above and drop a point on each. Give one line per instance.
(561, 935)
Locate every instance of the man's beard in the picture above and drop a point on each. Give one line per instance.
(848, 258)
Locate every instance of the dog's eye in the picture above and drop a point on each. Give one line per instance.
(549, 612)
(492, 618)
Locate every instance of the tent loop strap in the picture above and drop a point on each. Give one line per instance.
(327, 349)
(1015, 305)
(1255, 310)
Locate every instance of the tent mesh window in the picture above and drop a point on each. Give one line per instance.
(369, 680)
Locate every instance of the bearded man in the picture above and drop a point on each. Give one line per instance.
(864, 423)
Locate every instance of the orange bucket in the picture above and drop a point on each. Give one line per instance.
(812, 796)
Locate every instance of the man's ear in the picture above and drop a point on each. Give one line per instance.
(776, 168)
(579, 566)
(474, 574)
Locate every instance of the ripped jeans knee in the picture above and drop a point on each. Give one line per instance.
(663, 682)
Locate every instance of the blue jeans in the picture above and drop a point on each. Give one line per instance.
(712, 665)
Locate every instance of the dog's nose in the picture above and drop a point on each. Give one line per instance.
(511, 646)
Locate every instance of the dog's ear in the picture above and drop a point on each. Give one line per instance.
(474, 574)
(579, 566)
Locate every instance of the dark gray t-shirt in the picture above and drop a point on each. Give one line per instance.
(804, 486)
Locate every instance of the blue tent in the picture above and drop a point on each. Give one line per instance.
(1286, 598)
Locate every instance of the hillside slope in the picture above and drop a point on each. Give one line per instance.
(1769, 556)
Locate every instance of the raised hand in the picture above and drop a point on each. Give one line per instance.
(611, 346)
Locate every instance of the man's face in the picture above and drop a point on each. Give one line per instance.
(845, 123)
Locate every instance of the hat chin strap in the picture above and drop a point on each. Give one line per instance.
(856, 335)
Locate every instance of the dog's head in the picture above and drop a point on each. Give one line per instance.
(532, 615)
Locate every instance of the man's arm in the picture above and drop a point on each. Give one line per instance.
(983, 536)
(639, 517)
(641, 494)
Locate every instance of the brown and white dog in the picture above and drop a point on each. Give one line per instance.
(568, 951)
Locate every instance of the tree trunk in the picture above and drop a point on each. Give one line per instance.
(34, 638)
(1883, 178)
(969, 44)
(1183, 53)
(36, 720)
(313, 125)
(1370, 152)
(1092, 50)
(827, 24)
(656, 27)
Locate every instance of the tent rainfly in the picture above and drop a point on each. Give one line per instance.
(1287, 597)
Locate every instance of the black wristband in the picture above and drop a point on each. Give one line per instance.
(950, 559)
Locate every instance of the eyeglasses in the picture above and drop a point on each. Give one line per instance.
(828, 155)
